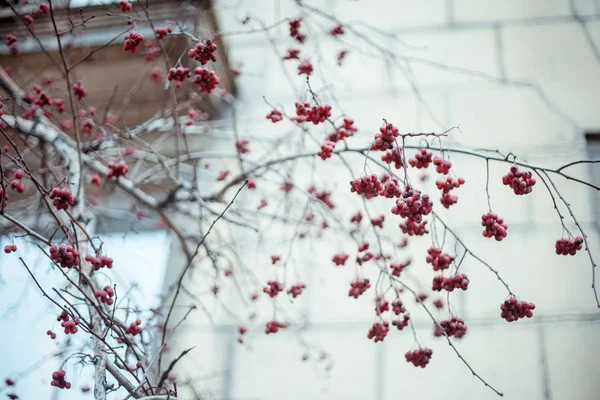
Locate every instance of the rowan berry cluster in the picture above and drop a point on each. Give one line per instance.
(411, 228)
(494, 226)
(323, 196)
(369, 186)
(437, 259)
(296, 290)
(442, 166)
(391, 187)
(292, 54)
(125, 6)
(453, 327)
(59, 381)
(422, 159)
(399, 267)
(99, 262)
(412, 205)
(295, 29)
(275, 116)
(69, 324)
(117, 169)
(17, 184)
(520, 182)
(358, 287)
(179, 75)
(398, 307)
(204, 51)
(378, 221)
(326, 149)
(513, 309)
(44, 8)
(381, 306)
(10, 248)
(163, 32)
(274, 326)
(344, 131)
(206, 79)
(419, 357)
(393, 156)
(338, 30)
(274, 288)
(378, 331)
(134, 328)
(51, 334)
(340, 258)
(384, 140)
(241, 146)
(401, 323)
(448, 199)
(568, 247)
(65, 256)
(458, 281)
(305, 67)
(62, 198)
(133, 41)
(105, 295)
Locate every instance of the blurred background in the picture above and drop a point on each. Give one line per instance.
(514, 76)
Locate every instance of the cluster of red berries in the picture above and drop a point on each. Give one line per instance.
(179, 75)
(162, 32)
(399, 267)
(296, 290)
(17, 184)
(58, 380)
(442, 166)
(78, 90)
(314, 114)
(106, 295)
(65, 256)
(242, 146)
(391, 187)
(292, 54)
(381, 306)
(99, 262)
(242, 330)
(125, 6)
(344, 131)
(51, 334)
(494, 226)
(412, 205)
(326, 150)
(568, 247)
(295, 30)
(401, 324)
(117, 169)
(520, 182)
(275, 116)
(133, 41)
(412, 228)
(338, 30)
(458, 281)
(206, 79)
(204, 52)
(384, 140)
(378, 221)
(11, 41)
(358, 287)
(419, 357)
(422, 159)
(513, 309)
(340, 258)
(44, 8)
(274, 326)
(305, 67)
(10, 248)
(369, 186)
(393, 156)
(62, 198)
(437, 259)
(323, 196)
(69, 325)
(134, 328)
(448, 199)
(453, 327)
(274, 288)
(378, 331)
